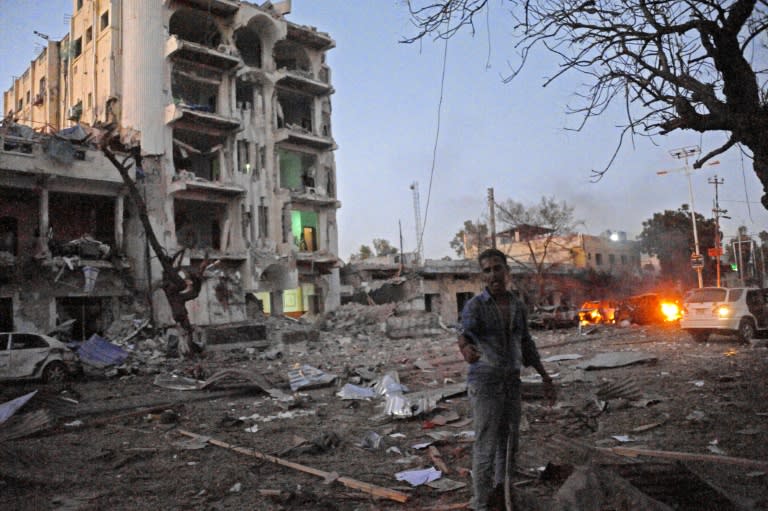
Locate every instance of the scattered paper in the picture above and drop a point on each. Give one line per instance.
(419, 477)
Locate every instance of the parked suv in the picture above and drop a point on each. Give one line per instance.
(739, 310)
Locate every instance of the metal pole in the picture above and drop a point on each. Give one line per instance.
(695, 230)
(400, 228)
(682, 154)
(741, 269)
(717, 211)
(492, 208)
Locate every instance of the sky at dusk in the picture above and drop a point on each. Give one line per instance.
(513, 137)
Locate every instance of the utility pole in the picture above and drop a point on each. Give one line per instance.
(492, 211)
(402, 256)
(417, 215)
(718, 212)
(683, 153)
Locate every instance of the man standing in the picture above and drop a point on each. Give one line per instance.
(496, 342)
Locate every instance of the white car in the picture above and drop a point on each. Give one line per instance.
(26, 356)
(742, 311)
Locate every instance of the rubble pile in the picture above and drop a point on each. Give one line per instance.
(354, 318)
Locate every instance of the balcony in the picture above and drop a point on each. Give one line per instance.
(304, 81)
(295, 134)
(197, 119)
(309, 36)
(218, 7)
(319, 262)
(186, 50)
(313, 195)
(196, 186)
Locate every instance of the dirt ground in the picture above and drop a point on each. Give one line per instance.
(127, 452)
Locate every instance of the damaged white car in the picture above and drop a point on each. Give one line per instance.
(26, 356)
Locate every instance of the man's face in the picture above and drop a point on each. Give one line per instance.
(494, 274)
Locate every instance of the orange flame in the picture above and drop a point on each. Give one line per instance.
(671, 311)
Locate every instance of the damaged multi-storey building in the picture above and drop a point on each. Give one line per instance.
(230, 104)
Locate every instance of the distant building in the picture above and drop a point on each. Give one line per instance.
(231, 105)
(527, 245)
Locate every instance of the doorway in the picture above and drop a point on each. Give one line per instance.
(6, 314)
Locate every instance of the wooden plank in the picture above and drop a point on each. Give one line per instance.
(685, 456)
(437, 459)
(372, 489)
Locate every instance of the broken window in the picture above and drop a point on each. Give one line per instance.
(9, 235)
(6, 320)
(17, 145)
(195, 89)
(295, 110)
(249, 46)
(192, 152)
(263, 222)
(73, 216)
(243, 156)
(104, 20)
(198, 224)
(304, 227)
(19, 220)
(623, 259)
(599, 259)
(91, 315)
(195, 26)
(330, 186)
(244, 95)
(77, 47)
(88, 34)
(292, 56)
(297, 170)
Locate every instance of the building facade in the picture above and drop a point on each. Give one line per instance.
(529, 246)
(230, 104)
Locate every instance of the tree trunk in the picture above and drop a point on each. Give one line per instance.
(178, 291)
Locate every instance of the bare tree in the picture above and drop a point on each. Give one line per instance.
(545, 228)
(179, 287)
(675, 65)
(473, 234)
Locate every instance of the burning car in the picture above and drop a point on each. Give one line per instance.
(597, 311)
(649, 308)
(27, 356)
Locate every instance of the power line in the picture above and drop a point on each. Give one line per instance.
(420, 242)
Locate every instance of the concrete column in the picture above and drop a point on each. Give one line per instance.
(144, 100)
(119, 213)
(317, 116)
(276, 299)
(44, 221)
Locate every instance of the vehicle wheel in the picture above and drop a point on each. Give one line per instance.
(699, 335)
(746, 330)
(55, 372)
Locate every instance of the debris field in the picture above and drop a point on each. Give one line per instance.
(336, 414)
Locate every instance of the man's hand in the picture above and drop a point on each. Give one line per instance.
(468, 350)
(470, 353)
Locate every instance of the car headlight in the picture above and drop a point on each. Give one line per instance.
(723, 311)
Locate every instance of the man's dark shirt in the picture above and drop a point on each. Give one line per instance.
(502, 352)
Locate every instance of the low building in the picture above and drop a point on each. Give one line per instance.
(529, 247)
